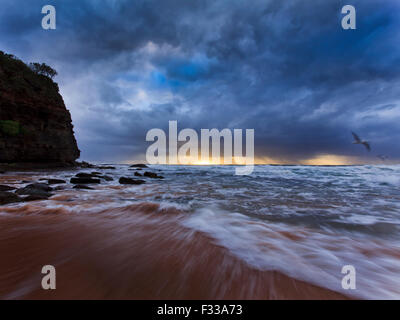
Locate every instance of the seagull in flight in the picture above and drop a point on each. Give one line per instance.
(357, 140)
(382, 157)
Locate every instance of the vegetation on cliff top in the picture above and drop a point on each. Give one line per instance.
(32, 79)
(43, 69)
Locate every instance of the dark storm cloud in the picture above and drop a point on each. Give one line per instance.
(285, 68)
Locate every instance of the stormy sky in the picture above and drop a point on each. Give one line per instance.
(285, 68)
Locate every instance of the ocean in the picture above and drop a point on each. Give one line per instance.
(282, 232)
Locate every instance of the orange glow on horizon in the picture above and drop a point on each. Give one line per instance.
(332, 160)
(320, 160)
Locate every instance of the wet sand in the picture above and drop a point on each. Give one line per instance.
(128, 253)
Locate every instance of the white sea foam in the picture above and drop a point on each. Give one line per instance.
(309, 255)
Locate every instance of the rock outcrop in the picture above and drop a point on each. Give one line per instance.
(35, 125)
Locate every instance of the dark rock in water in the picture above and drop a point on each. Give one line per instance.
(8, 197)
(81, 186)
(84, 175)
(41, 186)
(85, 164)
(86, 180)
(55, 181)
(137, 174)
(139, 165)
(107, 178)
(6, 188)
(36, 189)
(95, 175)
(152, 175)
(106, 168)
(124, 180)
(35, 125)
(36, 197)
(38, 186)
(2, 172)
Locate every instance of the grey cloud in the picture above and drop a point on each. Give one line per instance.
(284, 68)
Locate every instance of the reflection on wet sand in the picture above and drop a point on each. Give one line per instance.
(128, 253)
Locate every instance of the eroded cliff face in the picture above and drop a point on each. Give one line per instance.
(35, 125)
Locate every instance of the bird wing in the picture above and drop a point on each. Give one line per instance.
(367, 145)
(356, 137)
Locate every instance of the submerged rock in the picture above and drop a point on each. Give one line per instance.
(85, 164)
(106, 178)
(82, 186)
(37, 186)
(124, 180)
(95, 175)
(36, 197)
(139, 165)
(84, 180)
(36, 189)
(6, 188)
(152, 175)
(84, 175)
(106, 168)
(137, 174)
(55, 181)
(8, 197)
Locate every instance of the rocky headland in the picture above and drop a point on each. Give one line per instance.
(35, 126)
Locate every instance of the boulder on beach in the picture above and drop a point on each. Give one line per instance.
(84, 180)
(6, 188)
(124, 180)
(8, 197)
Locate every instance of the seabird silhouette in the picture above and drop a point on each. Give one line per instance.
(357, 140)
(382, 157)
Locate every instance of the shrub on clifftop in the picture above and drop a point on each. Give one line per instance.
(43, 69)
